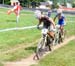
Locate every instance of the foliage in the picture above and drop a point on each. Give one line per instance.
(24, 3)
(73, 4)
(7, 2)
(28, 3)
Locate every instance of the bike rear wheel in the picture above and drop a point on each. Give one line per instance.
(56, 38)
(62, 37)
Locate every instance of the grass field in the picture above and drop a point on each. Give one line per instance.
(63, 57)
(9, 21)
(13, 39)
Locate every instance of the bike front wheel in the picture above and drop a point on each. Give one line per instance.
(40, 48)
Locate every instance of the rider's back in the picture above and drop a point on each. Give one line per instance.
(46, 21)
(61, 19)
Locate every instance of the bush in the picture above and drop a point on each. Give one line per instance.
(73, 5)
(7, 2)
(54, 6)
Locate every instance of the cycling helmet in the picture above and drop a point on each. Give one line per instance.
(38, 14)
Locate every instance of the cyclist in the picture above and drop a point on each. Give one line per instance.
(47, 23)
(49, 13)
(61, 20)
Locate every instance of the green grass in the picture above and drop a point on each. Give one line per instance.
(18, 54)
(1, 64)
(70, 25)
(7, 21)
(63, 57)
(13, 39)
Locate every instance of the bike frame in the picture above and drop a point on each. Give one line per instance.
(44, 36)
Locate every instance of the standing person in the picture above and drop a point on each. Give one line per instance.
(16, 9)
(61, 19)
(49, 13)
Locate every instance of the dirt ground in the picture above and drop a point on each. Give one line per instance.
(29, 61)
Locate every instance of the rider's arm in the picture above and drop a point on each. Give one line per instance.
(64, 20)
(51, 20)
(39, 22)
(55, 17)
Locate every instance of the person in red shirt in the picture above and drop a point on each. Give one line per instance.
(16, 9)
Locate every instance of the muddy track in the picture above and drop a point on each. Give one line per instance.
(29, 61)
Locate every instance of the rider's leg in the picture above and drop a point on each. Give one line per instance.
(62, 28)
(51, 34)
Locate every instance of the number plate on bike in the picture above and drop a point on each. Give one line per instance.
(44, 31)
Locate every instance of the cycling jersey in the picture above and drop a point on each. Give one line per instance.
(61, 20)
(46, 22)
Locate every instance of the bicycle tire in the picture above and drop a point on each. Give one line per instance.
(49, 43)
(40, 49)
(61, 39)
(56, 38)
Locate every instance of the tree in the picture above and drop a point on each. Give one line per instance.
(54, 4)
(7, 2)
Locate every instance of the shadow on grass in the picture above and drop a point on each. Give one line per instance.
(10, 20)
(31, 48)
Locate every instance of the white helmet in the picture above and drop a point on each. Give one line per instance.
(38, 14)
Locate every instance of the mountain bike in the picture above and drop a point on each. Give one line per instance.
(44, 44)
(59, 34)
(56, 38)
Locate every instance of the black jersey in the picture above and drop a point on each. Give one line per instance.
(46, 22)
